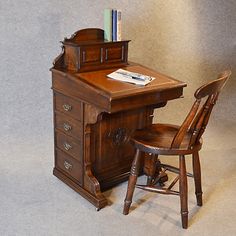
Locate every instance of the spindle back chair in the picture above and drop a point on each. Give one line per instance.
(167, 139)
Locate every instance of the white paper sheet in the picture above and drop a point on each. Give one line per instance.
(131, 77)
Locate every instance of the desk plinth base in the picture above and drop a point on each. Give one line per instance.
(98, 201)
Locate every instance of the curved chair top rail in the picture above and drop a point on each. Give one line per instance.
(214, 86)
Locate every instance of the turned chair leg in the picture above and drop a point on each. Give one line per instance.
(132, 182)
(153, 169)
(149, 180)
(197, 178)
(183, 190)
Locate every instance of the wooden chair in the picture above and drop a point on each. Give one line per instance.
(167, 139)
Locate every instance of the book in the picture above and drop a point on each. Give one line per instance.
(118, 25)
(114, 25)
(131, 77)
(108, 24)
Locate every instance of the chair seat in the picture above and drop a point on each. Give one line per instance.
(157, 138)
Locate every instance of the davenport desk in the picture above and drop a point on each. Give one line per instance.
(94, 116)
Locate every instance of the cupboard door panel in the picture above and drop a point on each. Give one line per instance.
(112, 153)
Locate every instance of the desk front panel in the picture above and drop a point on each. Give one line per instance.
(111, 151)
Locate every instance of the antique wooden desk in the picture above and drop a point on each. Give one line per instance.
(94, 116)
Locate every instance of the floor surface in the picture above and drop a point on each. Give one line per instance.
(34, 202)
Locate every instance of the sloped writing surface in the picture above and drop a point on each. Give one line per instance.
(115, 89)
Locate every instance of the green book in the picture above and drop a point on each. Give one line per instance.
(108, 24)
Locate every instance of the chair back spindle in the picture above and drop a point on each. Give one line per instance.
(196, 121)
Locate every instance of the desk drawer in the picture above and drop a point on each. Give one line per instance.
(68, 106)
(69, 145)
(69, 165)
(115, 53)
(68, 125)
(90, 56)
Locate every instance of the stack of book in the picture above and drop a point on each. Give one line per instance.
(112, 25)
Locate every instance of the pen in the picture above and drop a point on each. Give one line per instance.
(138, 78)
(133, 77)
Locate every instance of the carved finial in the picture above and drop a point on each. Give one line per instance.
(58, 60)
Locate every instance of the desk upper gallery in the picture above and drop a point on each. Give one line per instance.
(94, 116)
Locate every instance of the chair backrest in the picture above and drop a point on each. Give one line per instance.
(195, 123)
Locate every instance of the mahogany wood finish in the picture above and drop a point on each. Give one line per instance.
(94, 116)
(86, 50)
(167, 139)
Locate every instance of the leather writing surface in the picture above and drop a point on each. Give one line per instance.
(115, 89)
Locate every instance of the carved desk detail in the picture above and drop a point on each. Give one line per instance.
(119, 136)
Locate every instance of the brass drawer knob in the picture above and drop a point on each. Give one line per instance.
(67, 127)
(67, 146)
(67, 165)
(67, 107)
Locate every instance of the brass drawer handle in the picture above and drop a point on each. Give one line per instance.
(67, 107)
(67, 146)
(67, 127)
(67, 165)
